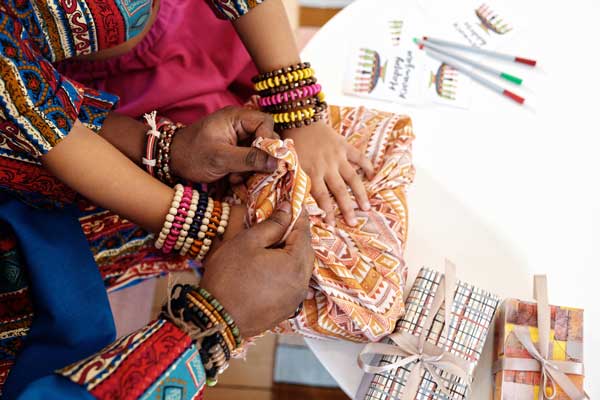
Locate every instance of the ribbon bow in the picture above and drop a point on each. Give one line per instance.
(417, 350)
(552, 371)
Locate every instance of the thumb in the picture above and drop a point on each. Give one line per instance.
(246, 159)
(271, 231)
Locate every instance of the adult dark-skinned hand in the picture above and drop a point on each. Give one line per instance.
(258, 285)
(208, 150)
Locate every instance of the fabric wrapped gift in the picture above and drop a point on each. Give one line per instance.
(538, 345)
(435, 348)
(359, 273)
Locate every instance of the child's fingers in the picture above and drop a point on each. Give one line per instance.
(338, 188)
(321, 195)
(357, 186)
(361, 160)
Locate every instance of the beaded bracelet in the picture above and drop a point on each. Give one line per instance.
(280, 71)
(221, 310)
(284, 79)
(178, 219)
(170, 218)
(203, 232)
(193, 222)
(291, 95)
(189, 218)
(303, 103)
(298, 124)
(214, 318)
(219, 335)
(196, 223)
(213, 350)
(287, 87)
(164, 152)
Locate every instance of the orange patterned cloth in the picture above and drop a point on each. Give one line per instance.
(359, 273)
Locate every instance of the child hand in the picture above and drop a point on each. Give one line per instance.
(331, 163)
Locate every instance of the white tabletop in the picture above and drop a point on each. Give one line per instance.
(504, 191)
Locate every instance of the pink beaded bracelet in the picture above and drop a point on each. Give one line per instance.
(179, 218)
(290, 95)
(187, 221)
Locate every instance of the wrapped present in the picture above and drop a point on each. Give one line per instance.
(436, 346)
(357, 286)
(538, 346)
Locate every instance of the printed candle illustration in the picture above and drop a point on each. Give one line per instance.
(445, 80)
(395, 31)
(491, 21)
(369, 71)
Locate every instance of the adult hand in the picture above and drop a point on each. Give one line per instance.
(207, 150)
(258, 285)
(331, 163)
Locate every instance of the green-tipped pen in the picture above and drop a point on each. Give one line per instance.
(481, 67)
(511, 78)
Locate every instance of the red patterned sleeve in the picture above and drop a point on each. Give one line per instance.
(157, 361)
(232, 9)
(38, 107)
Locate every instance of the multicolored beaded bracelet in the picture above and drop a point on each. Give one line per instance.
(193, 221)
(163, 170)
(221, 310)
(291, 95)
(280, 71)
(196, 223)
(189, 218)
(178, 220)
(169, 218)
(204, 232)
(216, 225)
(200, 308)
(208, 308)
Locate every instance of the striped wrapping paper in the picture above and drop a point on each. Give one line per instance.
(472, 313)
(566, 344)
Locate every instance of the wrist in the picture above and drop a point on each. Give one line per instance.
(199, 314)
(295, 133)
(193, 222)
(291, 95)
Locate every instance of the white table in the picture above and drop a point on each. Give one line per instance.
(502, 190)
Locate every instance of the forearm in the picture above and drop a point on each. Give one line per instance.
(268, 36)
(126, 134)
(97, 170)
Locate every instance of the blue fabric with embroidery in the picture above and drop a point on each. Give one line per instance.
(72, 316)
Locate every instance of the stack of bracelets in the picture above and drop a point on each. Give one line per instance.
(193, 222)
(200, 309)
(292, 95)
(158, 147)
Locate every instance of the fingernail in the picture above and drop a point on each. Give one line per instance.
(366, 206)
(352, 222)
(286, 207)
(271, 164)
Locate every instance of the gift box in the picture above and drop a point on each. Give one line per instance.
(518, 359)
(434, 350)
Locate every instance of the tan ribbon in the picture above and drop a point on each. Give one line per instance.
(552, 371)
(417, 350)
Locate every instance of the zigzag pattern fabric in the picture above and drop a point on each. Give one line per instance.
(359, 273)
